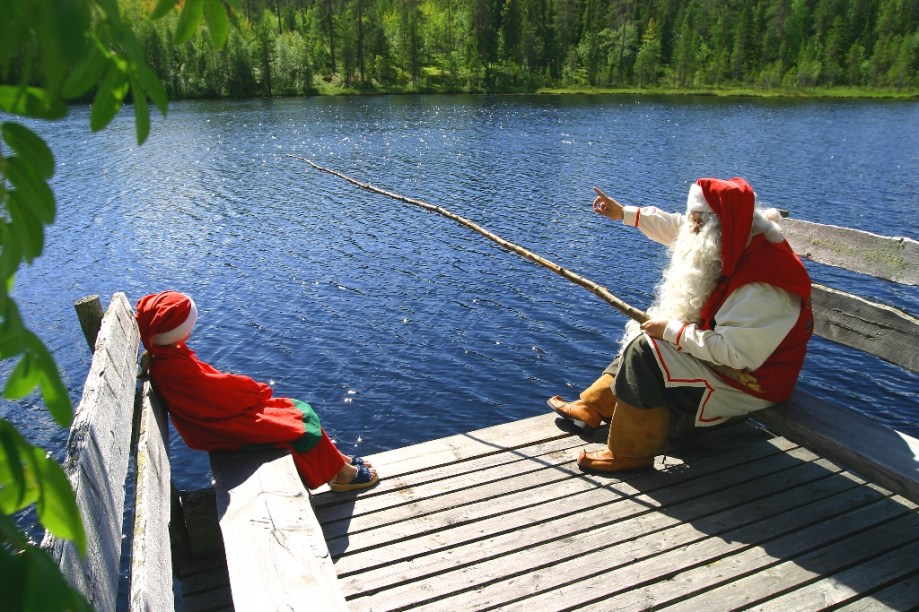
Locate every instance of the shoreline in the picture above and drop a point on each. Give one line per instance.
(739, 92)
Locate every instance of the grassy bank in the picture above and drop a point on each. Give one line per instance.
(338, 89)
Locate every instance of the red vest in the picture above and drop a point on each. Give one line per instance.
(777, 265)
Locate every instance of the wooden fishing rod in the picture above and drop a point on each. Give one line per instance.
(602, 292)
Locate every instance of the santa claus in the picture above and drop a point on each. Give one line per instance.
(726, 334)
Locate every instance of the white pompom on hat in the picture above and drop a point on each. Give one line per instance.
(165, 318)
(182, 331)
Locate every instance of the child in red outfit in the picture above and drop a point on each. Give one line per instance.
(213, 410)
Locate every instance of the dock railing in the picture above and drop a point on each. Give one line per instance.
(880, 454)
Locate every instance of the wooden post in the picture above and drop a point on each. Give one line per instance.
(89, 311)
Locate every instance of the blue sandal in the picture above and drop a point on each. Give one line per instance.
(364, 479)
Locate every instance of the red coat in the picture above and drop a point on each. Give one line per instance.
(216, 411)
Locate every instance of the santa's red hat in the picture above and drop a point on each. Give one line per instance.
(733, 201)
(165, 318)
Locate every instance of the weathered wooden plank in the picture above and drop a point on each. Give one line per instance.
(199, 510)
(408, 468)
(276, 555)
(151, 557)
(450, 481)
(454, 500)
(895, 259)
(205, 574)
(613, 580)
(527, 521)
(878, 329)
(902, 595)
(887, 457)
(848, 584)
(575, 526)
(833, 555)
(206, 588)
(97, 458)
(615, 557)
(462, 447)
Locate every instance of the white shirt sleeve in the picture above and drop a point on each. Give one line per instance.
(656, 224)
(750, 325)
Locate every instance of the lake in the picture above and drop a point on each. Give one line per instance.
(399, 325)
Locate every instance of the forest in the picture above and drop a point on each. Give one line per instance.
(304, 47)
(301, 47)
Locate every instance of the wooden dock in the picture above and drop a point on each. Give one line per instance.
(502, 518)
(759, 514)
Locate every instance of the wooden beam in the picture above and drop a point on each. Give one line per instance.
(865, 446)
(878, 329)
(97, 458)
(151, 557)
(895, 259)
(90, 313)
(276, 554)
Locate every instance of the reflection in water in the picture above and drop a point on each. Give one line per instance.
(399, 325)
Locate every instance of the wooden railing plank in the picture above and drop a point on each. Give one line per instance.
(878, 453)
(878, 329)
(892, 259)
(276, 554)
(97, 458)
(151, 556)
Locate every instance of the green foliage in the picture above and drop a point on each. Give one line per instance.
(519, 45)
(52, 53)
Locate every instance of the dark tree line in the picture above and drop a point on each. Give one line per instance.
(291, 47)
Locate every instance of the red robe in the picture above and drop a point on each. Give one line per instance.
(213, 410)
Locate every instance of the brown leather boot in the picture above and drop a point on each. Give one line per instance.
(635, 437)
(596, 404)
(599, 397)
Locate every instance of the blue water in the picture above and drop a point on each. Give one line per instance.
(399, 325)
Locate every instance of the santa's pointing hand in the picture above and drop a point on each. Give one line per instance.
(607, 206)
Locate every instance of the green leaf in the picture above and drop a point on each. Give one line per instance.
(153, 86)
(141, 113)
(32, 191)
(53, 391)
(10, 254)
(60, 26)
(28, 230)
(30, 580)
(189, 20)
(12, 476)
(13, 340)
(31, 102)
(23, 379)
(86, 73)
(218, 23)
(30, 147)
(107, 100)
(57, 505)
(162, 7)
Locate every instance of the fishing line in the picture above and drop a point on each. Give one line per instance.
(598, 290)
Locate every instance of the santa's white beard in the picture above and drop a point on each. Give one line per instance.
(688, 280)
